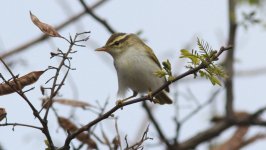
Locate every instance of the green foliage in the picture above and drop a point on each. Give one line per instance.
(250, 19)
(204, 56)
(186, 54)
(167, 67)
(251, 2)
(166, 71)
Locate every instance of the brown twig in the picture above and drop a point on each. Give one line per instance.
(235, 141)
(220, 126)
(253, 139)
(238, 139)
(93, 15)
(21, 124)
(65, 57)
(41, 38)
(118, 134)
(156, 125)
(44, 129)
(203, 136)
(139, 145)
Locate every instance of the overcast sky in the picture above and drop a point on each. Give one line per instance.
(167, 26)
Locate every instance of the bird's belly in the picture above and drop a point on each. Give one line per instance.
(137, 73)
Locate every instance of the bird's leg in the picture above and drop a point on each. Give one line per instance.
(150, 96)
(120, 102)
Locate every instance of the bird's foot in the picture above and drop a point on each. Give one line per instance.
(150, 94)
(120, 102)
(150, 97)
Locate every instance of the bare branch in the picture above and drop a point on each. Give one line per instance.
(93, 15)
(56, 85)
(139, 145)
(20, 124)
(118, 135)
(41, 38)
(221, 125)
(156, 125)
(45, 129)
(211, 99)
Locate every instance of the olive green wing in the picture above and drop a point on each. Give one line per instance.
(155, 59)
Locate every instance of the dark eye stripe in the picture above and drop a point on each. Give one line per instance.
(116, 43)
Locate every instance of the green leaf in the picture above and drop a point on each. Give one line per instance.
(160, 73)
(205, 55)
(202, 73)
(254, 2)
(215, 80)
(171, 78)
(167, 65)
(193, 57)
(251, 2)
(185, 52)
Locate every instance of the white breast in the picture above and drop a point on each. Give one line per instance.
(136, 70)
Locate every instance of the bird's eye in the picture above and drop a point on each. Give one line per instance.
(116, 43)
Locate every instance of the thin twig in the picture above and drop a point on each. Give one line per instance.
(139, 144)
(21, 124)
(117, 133)
(156, 125)
(221, 126)
(41, 38)
(211, 99)
(45, 129)
(93, 15)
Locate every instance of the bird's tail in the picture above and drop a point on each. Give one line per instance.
(162, 98)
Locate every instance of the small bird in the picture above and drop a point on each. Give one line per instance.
(135, 64)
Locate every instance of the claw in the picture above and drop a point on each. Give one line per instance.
(150, 95)
(152, 99)
(119, 102)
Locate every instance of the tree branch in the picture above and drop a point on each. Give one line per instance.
(220, 126)
(229, 61)
(21, 124)
(93, 15)
(156, 125)
(44, 128)
(141, 99)
(204, 136)
(42, 37)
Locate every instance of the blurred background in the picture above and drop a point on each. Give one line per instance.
(167, 27)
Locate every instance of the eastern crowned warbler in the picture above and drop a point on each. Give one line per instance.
(135, 64)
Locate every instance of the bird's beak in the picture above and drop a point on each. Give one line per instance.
(101, 49)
